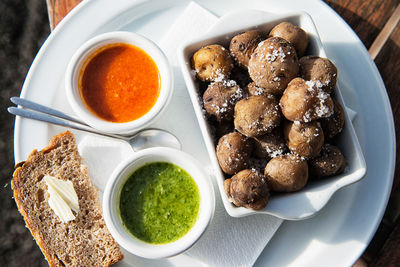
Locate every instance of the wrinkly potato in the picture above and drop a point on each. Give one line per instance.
(257, 115)
(320, 70)
(286, 173)
(248, 188)
(329, 162)
(304, 139)
(334, 124)
(303, 101)
(273, 64)
(243, 45)
(270, 145)
(212, 62)
(220, 98)
(233, 152)
(253, 89)
(293, 34)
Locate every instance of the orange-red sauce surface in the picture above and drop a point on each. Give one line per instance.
(120, 83)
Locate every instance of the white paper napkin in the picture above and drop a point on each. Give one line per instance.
(227, 241)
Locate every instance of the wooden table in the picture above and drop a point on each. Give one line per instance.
(376, 23)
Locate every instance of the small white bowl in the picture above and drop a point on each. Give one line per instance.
(112, 194)
(80, 59)
(316, 194)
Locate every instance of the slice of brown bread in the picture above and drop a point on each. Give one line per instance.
(84, 241)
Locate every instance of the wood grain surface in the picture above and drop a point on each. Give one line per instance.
(58, 9)
(367, 18)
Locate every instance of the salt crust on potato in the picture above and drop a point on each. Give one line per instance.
(257, 115)
(329, 162)
(253, 89)
(286, 173)
(334, 124)
(304, 101)
(304, 139)
(220, 98)
(320, 70)
(273, 64)
(212, 62)
(270, 145)
(293, 34)
(233, 152)
(243, 45)
(248, 188)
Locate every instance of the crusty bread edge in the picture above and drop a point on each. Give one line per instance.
(16, 179)
(28, 222)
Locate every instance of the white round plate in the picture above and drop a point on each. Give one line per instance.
(341, 231)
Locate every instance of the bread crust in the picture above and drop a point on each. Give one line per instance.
(62, 144)
(28, 222)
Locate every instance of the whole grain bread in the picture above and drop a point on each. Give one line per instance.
(84, 241)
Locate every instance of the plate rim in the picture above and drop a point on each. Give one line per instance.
(382, 93)
(389, 111)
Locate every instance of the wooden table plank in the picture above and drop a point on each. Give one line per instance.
(388, 63)
(390, 252)
(383, 36)
(58, 9)
(366, 18)
(384, 248)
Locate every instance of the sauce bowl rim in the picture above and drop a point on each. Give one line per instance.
(80, 58)
(117, 180)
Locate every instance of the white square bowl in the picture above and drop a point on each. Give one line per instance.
(314, 196)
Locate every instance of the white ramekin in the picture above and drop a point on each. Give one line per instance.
(112, 194)
(316, 194)
(80, 58)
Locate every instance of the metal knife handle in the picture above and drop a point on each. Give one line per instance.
(35, 106)
(31, 114)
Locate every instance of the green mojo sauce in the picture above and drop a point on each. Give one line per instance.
(159, 203)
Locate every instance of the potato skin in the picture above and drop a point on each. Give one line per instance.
(318, 69)
(253, 89)
(304, 139)
(248, 188)
(220, 98)
(212, 62)
(270, 145)
(293, 34)
(233, 152)
(286, 173)
(243, 45)
(329, 162)
(257, 115)
(303, 101)
(334, 124)
(273, 64)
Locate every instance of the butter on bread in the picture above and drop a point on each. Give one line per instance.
(84, 241)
